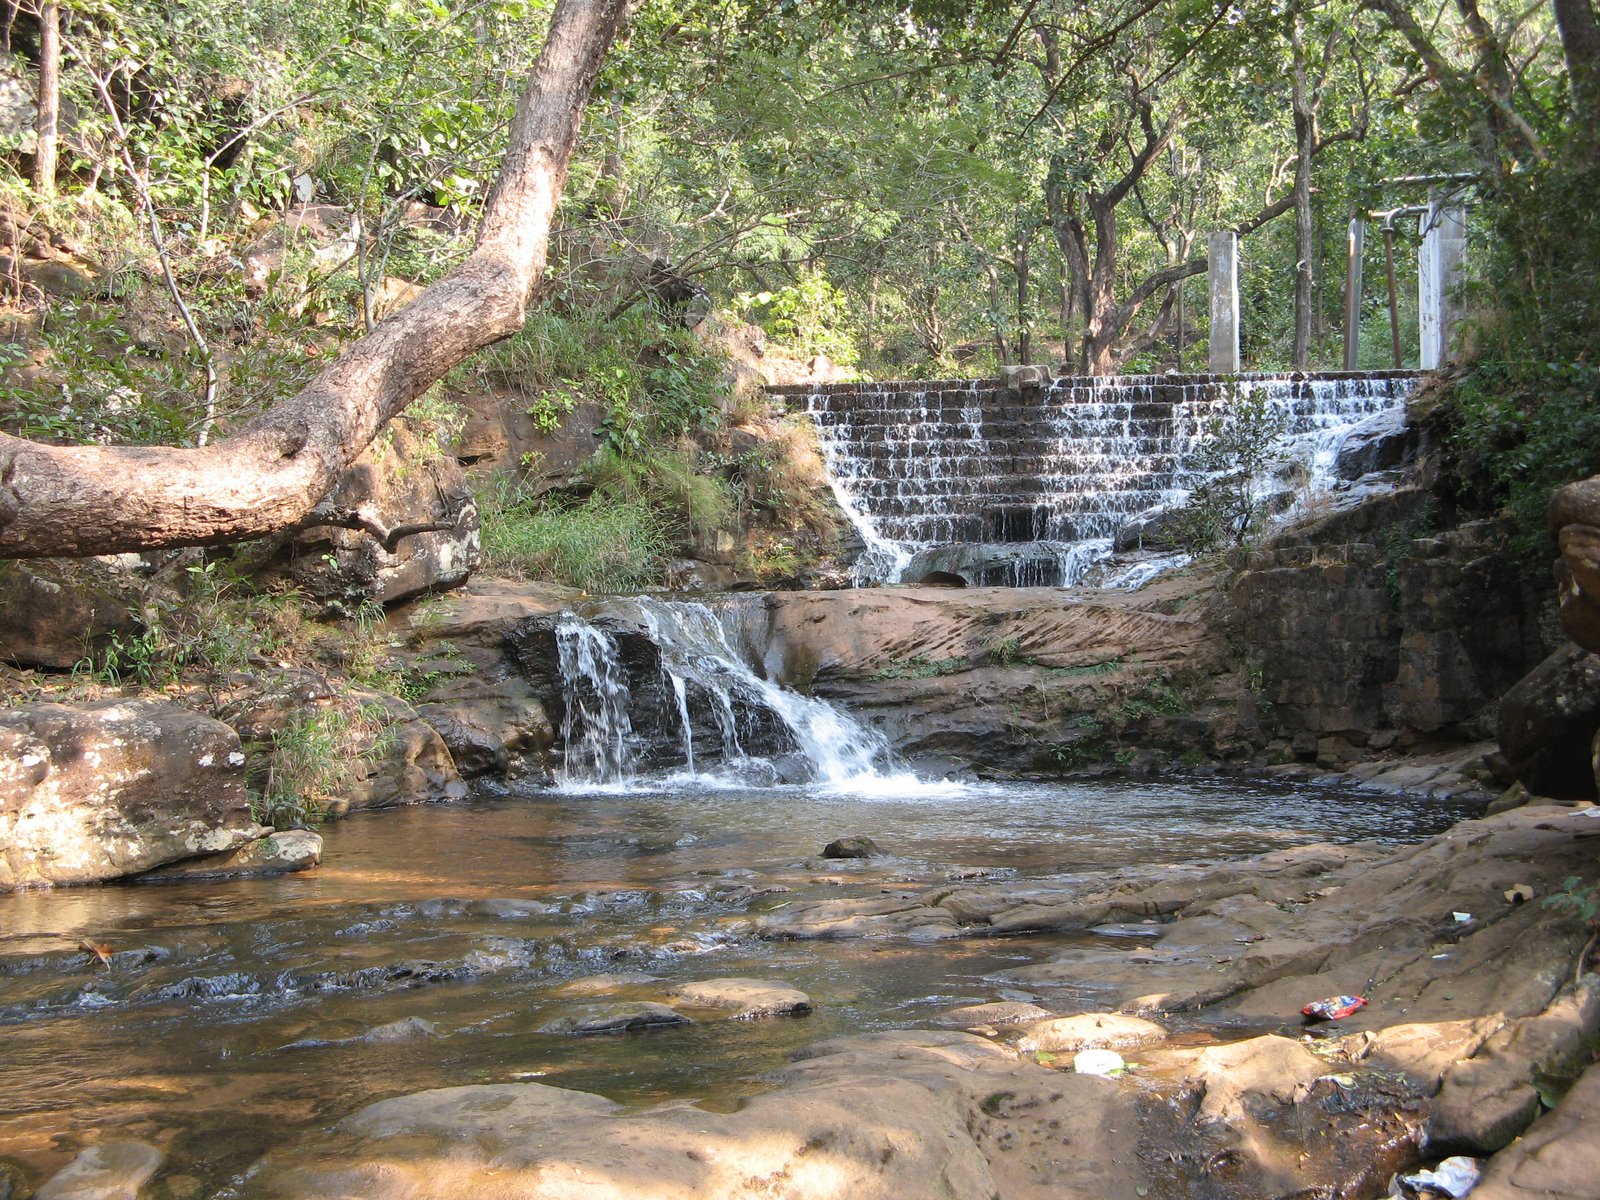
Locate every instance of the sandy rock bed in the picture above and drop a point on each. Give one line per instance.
(1478, 1021)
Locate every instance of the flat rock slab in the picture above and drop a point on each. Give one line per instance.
(749, 998)
(1090, 1031)
(110, 1171)
(1001, 1013)
(617, 1018)
(893, 1117)
(275, 854)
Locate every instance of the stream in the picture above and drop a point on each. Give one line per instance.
(232, 1016)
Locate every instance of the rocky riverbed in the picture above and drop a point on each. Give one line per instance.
(1478, 1020)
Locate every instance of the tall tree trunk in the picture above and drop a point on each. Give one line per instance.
(1580, 42)
(44, 159)
(83, 500)
(1305, 140)
(1024, 279)
(1100, 329)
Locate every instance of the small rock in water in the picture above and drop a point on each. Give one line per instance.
(600, 985)
(1013, 1012)
(110, 1171)
(13, 1182)
(752, 998)
(617, 1019)
(853, 847)
(404, 1030)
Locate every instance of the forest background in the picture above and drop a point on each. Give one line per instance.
(923, 190)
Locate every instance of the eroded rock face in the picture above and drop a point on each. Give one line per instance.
(403, 478)
(1016, 680)
(54, 612)
(97, 791)
(1548, 722)
(1353, 637)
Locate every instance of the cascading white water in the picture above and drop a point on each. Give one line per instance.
(703, 670)
(596, 730)
(922, 468)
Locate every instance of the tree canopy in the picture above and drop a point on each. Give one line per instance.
(921, 188)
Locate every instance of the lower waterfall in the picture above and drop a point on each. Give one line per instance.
(730, 723)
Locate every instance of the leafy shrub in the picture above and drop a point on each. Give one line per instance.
(1234, 457)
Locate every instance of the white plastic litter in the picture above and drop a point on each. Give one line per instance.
(1453, 1177)
(1098, 1062)
(1461, 918)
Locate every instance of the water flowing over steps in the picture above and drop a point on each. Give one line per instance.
(1029, 487)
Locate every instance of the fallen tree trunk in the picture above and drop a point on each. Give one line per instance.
(74, 501)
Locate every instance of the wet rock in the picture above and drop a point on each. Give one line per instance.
(56, 612)
(1152, 529)
(489, 714)
(1380, 443)
(1001, 1013)
(97, 791)
(749, 999)
(1549, 719)
(604, 985)
(625, 1018)
(853, 847)
(275, 854)
(474, 750)
(109, 1171)
(1101, 1031)
(406, 1029)
(14, 1183)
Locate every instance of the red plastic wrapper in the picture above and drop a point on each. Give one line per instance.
(1333, 1008)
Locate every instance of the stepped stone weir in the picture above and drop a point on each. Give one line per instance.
(1029, 487)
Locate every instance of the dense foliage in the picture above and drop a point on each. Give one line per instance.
(904, 189)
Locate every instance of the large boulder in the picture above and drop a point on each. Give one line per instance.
(97, 791)
(1575, 520)
(1548, 722)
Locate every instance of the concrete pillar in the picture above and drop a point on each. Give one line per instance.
(1444, 247)
(1352, 295)
(1223, 274)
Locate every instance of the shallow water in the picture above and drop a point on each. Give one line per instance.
(223, 1024)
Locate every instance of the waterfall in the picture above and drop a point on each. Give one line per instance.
(595, 731)
(1030, 488)
(756, 730)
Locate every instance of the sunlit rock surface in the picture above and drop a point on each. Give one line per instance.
(100, 790)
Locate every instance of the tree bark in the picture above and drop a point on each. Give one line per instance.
(85, 500)
(49, 111)
(1580, 43)
(1305, 104)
